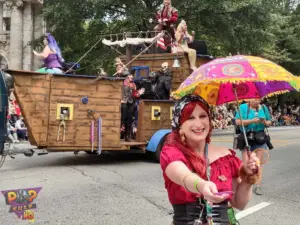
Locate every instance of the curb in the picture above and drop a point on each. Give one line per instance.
(222, 133)
(272, 129)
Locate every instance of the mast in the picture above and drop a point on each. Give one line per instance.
(128, 50)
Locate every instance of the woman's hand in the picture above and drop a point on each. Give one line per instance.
(35, 52)
(267, 123)
(141, 91)
(251, 163)
(209, 191)
(256, 120)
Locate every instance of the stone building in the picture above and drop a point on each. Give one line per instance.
(21, 22)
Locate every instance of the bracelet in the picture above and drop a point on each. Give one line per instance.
(249, 179)
(195, 185)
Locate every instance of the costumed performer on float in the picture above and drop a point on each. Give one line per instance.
(183, 38)
(121, 69)
(167, 17)
(203, 181)
(128, 104)
(51, 56)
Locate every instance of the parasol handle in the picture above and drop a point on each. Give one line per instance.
(247, 148)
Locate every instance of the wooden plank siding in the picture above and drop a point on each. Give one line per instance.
(32, 93)
(38, 96)
(146, 126)
(104, 99)
(154, 62)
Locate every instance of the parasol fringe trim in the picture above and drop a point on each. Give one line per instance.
(267, 96)
(191, 88)
(176, 96)
(241, 80)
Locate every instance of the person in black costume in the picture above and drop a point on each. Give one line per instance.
(165, 71)
(160, 86)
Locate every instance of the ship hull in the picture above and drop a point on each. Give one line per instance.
(43, 97)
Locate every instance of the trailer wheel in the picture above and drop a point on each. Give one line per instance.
(159, 148)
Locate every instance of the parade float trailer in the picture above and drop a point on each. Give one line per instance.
(60, 109)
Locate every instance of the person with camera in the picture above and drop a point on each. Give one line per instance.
(256, 118)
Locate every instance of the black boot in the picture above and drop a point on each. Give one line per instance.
(127, 133)
(127, 139)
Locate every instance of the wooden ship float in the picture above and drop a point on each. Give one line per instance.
(58, 109)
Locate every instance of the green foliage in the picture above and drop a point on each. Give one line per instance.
(267, 28)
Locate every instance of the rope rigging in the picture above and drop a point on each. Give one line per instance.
(128, 63)
(102, 38)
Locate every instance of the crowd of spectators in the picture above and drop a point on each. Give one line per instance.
(289, 115)
(16, 129)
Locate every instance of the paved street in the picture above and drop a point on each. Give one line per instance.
(129, 190)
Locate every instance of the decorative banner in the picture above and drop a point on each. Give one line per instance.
(99, 135)
(92, 134)
(21, 202)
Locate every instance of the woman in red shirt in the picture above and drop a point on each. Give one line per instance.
(202, 180)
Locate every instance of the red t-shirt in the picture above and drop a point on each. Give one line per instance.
(17, 108)
(227, 166)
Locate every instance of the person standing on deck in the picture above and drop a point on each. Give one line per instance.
(167, 18)
(160, 86)
(128, 104)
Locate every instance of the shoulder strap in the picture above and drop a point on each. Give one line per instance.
(248, 110)
(264, 108)
(265, 112)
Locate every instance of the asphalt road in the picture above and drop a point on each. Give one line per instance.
(129, 189)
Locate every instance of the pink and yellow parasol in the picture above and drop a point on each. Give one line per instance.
(248, 77)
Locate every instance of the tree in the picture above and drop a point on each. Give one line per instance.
(76, 25)
(228, 26)
(291, 41)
